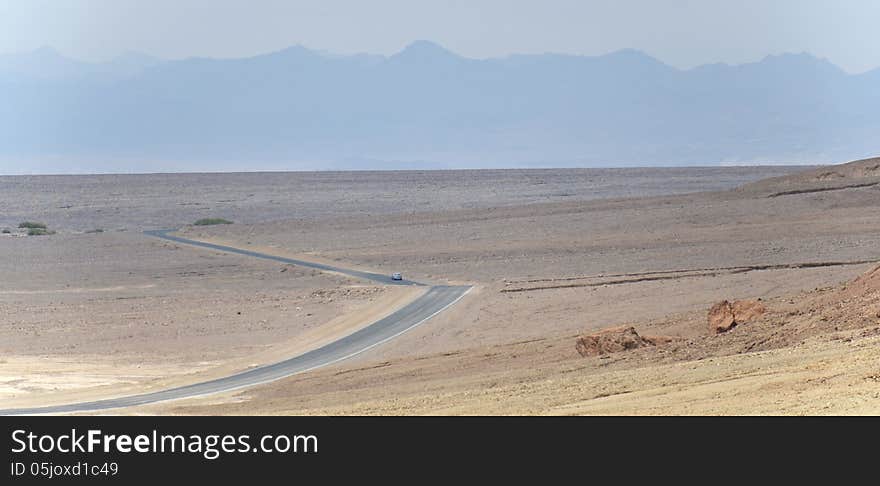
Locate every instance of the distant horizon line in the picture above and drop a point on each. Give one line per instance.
(330, 54)
(471, 169)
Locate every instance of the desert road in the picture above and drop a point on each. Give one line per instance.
(434, 301)
(375, 277)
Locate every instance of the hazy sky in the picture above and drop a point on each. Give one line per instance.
(683, 33)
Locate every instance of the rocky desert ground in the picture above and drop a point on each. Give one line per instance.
(555, 257)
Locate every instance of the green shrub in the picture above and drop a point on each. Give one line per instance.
(211, 221)
(39, 232)
(96, 230)
(32, 225)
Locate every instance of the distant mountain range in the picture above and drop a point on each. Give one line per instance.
(426, 107)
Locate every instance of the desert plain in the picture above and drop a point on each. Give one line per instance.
(99, 309)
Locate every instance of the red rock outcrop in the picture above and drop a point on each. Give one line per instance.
(725, 315)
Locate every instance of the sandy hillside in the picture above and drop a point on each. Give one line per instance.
(853, 175)
(813, 353)
(657, 264)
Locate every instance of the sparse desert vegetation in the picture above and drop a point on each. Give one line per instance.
(31, 225)
(35, 229)
(211, 221)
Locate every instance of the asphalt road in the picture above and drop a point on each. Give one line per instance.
(434, 301)
(375, 277)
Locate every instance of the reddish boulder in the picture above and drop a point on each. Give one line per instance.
(724, 315)
(721, 317)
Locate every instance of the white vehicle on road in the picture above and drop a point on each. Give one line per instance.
(396, 276)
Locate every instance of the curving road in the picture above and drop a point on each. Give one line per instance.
(375, 277)
(434, 301)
